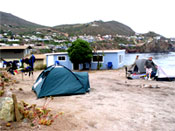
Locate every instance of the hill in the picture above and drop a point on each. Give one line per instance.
(152, 34)
(95, 28)
(16, 24)
(19, 25)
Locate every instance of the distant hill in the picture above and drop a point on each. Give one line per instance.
(95, 28)
(16, 24)
(151, 34)
(19, 25)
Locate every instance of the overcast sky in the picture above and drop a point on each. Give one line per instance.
(141, 15)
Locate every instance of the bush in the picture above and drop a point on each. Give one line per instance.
(45, 51)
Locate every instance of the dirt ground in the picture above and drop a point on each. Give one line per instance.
(113, 104)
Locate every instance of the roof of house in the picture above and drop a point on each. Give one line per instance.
(38, 56)
(14, 47)
(108, 51)
(58, 53)
(98, 51)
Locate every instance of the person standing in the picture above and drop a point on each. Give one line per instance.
(149, 65)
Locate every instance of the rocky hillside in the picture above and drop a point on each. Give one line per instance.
(95, 28)
(16, 24)
(156, 47)
(151, 34)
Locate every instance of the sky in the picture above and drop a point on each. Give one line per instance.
(141, 15)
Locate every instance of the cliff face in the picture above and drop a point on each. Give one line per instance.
(152, 47)
(156, 46)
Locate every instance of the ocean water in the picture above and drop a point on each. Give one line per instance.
(166, 61)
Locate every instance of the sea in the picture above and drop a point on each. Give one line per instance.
(166, 61)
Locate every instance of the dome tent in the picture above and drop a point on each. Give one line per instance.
(138, 71)
(59, 80)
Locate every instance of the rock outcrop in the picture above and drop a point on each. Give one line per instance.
(156, 46)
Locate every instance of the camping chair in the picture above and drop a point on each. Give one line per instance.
(109, 65)
(57, 62)
(28, 69)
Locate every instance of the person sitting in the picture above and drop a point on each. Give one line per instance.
(150, 66)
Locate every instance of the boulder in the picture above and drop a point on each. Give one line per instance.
(7, 109)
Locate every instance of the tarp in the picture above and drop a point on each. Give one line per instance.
(59, 80)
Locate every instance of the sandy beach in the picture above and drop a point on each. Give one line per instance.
(113, 104)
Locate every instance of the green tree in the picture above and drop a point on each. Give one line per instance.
(80, 52)
(99, 65)
(1, 31)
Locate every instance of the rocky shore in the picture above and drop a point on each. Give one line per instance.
(155, 46)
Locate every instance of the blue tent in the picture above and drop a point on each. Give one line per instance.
(59, 80)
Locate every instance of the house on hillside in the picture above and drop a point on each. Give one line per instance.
(14, 52)
(116, 57)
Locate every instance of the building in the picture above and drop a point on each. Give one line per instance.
(114, 56)
(10, 53)
(40, 60)
(14, 52)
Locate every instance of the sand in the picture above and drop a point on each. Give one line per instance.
(113, 104)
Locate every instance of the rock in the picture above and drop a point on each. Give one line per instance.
(20, 89)
(8, 124)
(6, 109)
(150, 86)
(8, 93)
(25, 120)
(147, 86)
